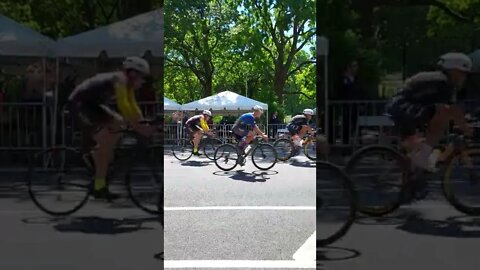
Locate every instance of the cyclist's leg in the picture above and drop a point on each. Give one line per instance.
(294, 133)
(197, 136)
(249, 137)
(106, 141)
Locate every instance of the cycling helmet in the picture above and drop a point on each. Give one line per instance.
(455, 61)
(138, 64)
(308, 112)
(258, 108)
(207, 112)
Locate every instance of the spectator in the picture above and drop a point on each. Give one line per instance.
(348, 90)
(274, 121)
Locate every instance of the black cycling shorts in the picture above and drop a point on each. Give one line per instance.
(239, 133)
(408, 116)
(191, 129)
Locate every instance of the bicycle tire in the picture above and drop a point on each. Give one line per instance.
(152, 183)
(259, 148)
(403, 164)
(213, 144)
(219, 155)
(307, 153)
(181, 146)
(61, 163)
(286, 142)
(448, 190)
(348, 187)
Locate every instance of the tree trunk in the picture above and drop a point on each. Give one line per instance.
(279, 83)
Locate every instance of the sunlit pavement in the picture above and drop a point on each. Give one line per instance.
(244, 219)
(429, 234)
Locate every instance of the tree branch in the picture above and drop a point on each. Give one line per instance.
(299, 93)
(300, 67)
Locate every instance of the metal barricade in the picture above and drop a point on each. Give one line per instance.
(24, 126)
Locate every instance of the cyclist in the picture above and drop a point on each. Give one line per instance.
(196, 126)
(429, 98)
(298, 127)
(239, 129)
(89, 103)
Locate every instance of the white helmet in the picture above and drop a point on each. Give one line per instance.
(258, 108)
(457, 61)
(207, 112)
(308, 112)
(138, 64)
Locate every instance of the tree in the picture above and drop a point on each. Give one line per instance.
(196, 32)
(282, 29)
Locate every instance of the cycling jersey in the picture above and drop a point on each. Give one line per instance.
(296, 124)
(245, 120)
(428, 88)
(415, 105)
(104, 88)
(197, 121)
(239, 129)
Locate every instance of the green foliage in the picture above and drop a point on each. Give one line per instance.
(228, 46)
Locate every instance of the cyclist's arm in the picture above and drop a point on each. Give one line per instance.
(257, 130)
(124, 106)
(204, 125)
(134, 105)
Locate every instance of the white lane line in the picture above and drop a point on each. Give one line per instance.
(239, 264)
(203, 208)
(308, 251)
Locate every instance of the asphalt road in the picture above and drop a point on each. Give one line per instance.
(243, 219)
(99, 236)
(428, 234)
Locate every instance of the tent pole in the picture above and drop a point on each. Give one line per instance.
(326, 94)
(44, 104)
(55, 100)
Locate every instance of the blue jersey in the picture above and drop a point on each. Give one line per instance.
(245, 120)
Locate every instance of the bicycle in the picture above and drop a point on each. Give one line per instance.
(285, 147)
(70, 172)
(183, 148)
(405, 178)
(261, 153)
(336, 203)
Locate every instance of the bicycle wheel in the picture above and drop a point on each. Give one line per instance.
(461, 182)
(310, 149)
(284, 149)
(144, 179)
(58, 181)
(226, 157)
(209, 147)
(380, 174)
(264, 156)
(336, 203)
(182, 149)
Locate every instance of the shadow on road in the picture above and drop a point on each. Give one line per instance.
(159, 256)
(331, 253)
(397, 218)
(95, 225)
(302, 163)
(456, 227)
(196, 163)
(255, 176)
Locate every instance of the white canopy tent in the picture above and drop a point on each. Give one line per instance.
(133, 36)
(224, 101)
(228, 102)
(170, 105)
(19, 40)
(323, 51)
